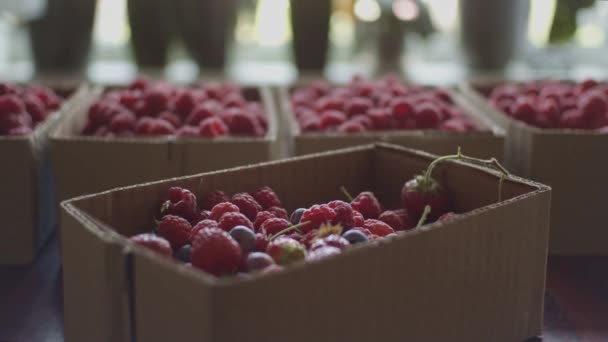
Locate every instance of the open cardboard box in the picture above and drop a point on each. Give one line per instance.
(88, 164)
(568, 160)
(27, 204)
(486, 143)
(479, 277)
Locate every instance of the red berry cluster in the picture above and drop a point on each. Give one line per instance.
(555, 104)
(365, 105)
(157, 108)
(22, 108)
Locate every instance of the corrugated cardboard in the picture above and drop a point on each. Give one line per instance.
(571, 162)
(485, 143)
(27, 198)
(86, 164)
(477, 278)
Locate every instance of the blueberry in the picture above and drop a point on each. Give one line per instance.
(296, 215)
(354, 236)
(184, 253)
(245, 237)
(258, 261)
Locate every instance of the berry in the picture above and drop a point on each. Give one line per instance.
(184, 103)
(523, 109)
(572, 118)
(418, 193)
(213, 198)
(278, 212)
(296, 215)
(453, 125)
(212, 127)
(274, 225)
(203, 111)
(171, 118)
(11, 104)
(381, 119)
(184, 253)
(187, 131)
(351, 126)
(357, 105)
(204, 224)
(310, 124)
(267, 198)
(156, 100)
(233, 219)
(260, 218)
(143, 125)
(247, 205)
(344, 215)
(181, 202)
(367, 204)
(201, 215)
(245, 237)
(285, 250)
(332, 118)
(378, 227)
(354, 236)
(358, 219)
(124, 121)
(161, 127)
(332, 240)
(401, 108)
(243, 123)
(216, 252)
(261, 242)
(258, 261)
(322, 253)
(398, 219)
(365, 232)
(153, 242)
(175, 229)
(220, 209)
(427, 115)
(316, 216)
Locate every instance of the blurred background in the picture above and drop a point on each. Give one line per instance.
(277, 41)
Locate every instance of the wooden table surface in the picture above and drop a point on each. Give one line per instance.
(576, 305)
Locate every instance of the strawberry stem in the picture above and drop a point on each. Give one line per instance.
(346, 194)
(288, 229)
(425, 214)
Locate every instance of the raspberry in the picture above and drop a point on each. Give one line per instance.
(129, 98)
(184, 103)
(267, 198)
(316, 216)
(378, 227)
(278, 212)
(367, 204)
(213, 198)
(328, 103)
(187, 131)
(181, 202)
(351, 126)
(273, 226)
(358, 219)
(427, 115)
(175, 229)
(234, 100)
(398, 219)
(160, 127)
(220, 209)
(261, 242)
(453, 125)
(243, 123)
(247, 205)
(232, 219)
(572, 118)
(310, 124)
(331, 118)
(204, 224)
(363, 120)
(212, 127)
(260, 218)
(594, 106)
(443, 95)
(381, 119)
(332, 240)
(139, 83)
(523, 109)
(153, 242)
(11, 104)
(401, 108)
(201, 215)
(124, 121)
(156, 100)
(285, 250)
(344, 214)
(35, 108)
(216, 252)
(203, 111)
(357, 105)
(171, 118)
(585, 85)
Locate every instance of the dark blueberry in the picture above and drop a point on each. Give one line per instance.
(354, 237)
(184, 253)
(245, 237)
(296, 215)
(258, 261)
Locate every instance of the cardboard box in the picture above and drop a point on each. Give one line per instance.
(477, 278)
(88, 164)
(486, 143)
(570, 161)
(27, 198)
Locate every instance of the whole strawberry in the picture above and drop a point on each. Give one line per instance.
(153, 242)
(216, 252)
(285, 251)
(419, 192)
(176, 230)
(181, 202)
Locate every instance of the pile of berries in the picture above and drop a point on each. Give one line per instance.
(365, 105)
(148, 108)
(252, 232)
(22, 108)
(555, 104)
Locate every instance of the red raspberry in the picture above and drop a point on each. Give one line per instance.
(344, 214)
(153, 242)
(203, 111)
(124, 121)
(201, 215)
(328, 103)
(143, 125)
(220, 209)
(401, 108)
(267, 198)
(139, 83)
(278, 212)
(358, 219)
(332, 240)
(378, 227)
(213, 198)
(187, 131)
(234, 100)
(129, 98)
(381, 119)
(351, 126)
(427, 115)
(11, 104)
(310, 124)
(285, 250)
(171, 118)
(176, 230)
(363, 120)
(232, 219)
(398, 219)
(453, 125)
(261, 217)
(216, 252)
(594, 106)
(213, 127)
(243, 123)
(547, 114)
(261, 242)
(12, 121)
(247, 205)
(443, 95)
(523, 109)
(184, 103)
(316, 216)
(331, 118)
(181, 202)
(367, 204)
(357, 105)
(585, 85)
(156, 100)
(35, 108)
(204, 224)
(161, 127)
(572, 118)
(274, 225)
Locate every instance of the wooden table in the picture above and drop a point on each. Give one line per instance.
(576, 306)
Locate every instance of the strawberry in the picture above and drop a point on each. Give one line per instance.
(419, 192)
(216, 252)
(175, 229)
(153, 242)
(285, 250)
